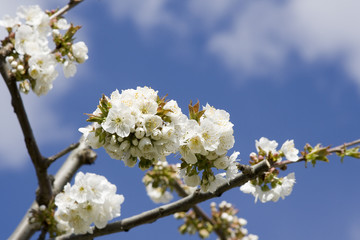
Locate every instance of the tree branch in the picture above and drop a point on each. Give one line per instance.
(53, 158)
(81, 155)
(45, 191)
(177, 206)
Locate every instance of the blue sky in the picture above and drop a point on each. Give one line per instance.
(282, 69)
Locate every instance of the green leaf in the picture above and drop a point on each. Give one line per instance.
(317, 153)
(352, 152)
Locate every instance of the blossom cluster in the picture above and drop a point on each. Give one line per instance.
(92, 199)
(282, 189)
(267, 149)
(268, 186)
(32, 60)
(204, 145)
(136, 124)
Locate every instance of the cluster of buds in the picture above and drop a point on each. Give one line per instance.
(45, 216)
(268, 186)
(226, 221)
(32, 62)
(194, 224)
(223, 221)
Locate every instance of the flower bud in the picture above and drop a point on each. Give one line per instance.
(145, 145)
(80, 51)
(224, 216)
(156, 134)
(125, 145)
(135, 142)
(242, 221)
(139, 132)
(212, 156)
(13, 64)
(55, 32)
(130, 162)
(20, 67)
(9, 59)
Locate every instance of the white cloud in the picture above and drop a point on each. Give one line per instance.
(266, 32)
(326, 29)
(146, 14)
(43, 118)
(354, 230)
(211, 12)
(252, 43)
(258, 36)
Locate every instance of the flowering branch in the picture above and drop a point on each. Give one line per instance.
(79, 156)
(45, 191)
(169, 209)
(338, 149)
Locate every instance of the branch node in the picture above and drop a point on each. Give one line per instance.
(87, 156)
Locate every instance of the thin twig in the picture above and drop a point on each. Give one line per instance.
(66, 8)
(53, 158)
(178, 206)
(337, 149)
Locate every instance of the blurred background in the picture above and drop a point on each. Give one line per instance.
(282, 69)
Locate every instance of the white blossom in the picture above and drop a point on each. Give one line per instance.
(218, 181)
(33, 15)
(31, 29)
(157, 195)
(266, 145)
(9, 22)
(145, 145)
(42, 68)
(281, 190)
(119, 120)
(187, 155)
(289, 150)
(250, 237)
(80, 51)
(92, 199)
(69, 69)
(63, 24)
(89, 136)
(232, 168)
(222, 162)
